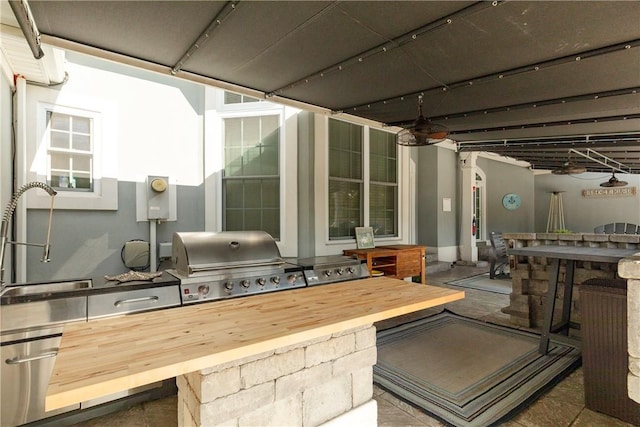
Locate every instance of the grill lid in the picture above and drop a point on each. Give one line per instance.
(195, 252)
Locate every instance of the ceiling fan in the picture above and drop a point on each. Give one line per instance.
(569, 168)
(614, 182)
(422, 132)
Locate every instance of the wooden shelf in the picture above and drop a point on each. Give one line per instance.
(397, 261)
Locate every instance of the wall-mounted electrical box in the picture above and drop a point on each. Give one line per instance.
(156, 199)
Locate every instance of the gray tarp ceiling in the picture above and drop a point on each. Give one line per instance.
(490, 71)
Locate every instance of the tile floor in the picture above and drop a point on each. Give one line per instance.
(562, 406)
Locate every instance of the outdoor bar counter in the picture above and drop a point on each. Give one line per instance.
(301, 356)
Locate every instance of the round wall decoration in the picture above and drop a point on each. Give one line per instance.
(511, 201)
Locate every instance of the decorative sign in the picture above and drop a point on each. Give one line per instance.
(364, 237)
(511, 201)
(610, 192)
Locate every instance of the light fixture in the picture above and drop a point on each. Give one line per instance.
(569, 168)
(422, 132)
(28, 26)
(614, 182)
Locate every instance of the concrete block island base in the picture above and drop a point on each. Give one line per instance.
(299, 357)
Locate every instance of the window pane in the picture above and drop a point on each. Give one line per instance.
(382, 211)
(81, 163)
(59, 161)
(252, 194)
(60, 179)
(252, 204)
(344, 208)
(70, 171)
(81, 142)
(59, 139)
(59, 121)
(233, 194)
(383, 156)
(81, 125)
(252, 219)
(82, 182)
(236, 98)
(233, 133)
(233, 161)
(271, 222)
(232, 98)
(252, 146)
(251, 161)
(271, 193)
(345, 150)
(234, 220)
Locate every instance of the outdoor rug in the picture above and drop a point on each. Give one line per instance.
(484, 283)
(467, 372)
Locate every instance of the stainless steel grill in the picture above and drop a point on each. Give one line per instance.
(322, 270)
(213, 266)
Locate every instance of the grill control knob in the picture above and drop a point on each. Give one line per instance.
(203, 289)
(292, 278)
(275, 280)
(350, 270)
(327, 273)
(228, 286)
(260, 281)
(245, 284)
(340, 271)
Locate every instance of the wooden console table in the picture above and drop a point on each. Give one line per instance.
(396, 261)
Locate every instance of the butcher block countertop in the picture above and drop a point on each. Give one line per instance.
(104, 356)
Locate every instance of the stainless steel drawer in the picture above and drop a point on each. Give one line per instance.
(41, 314)
(26, 369)
(115, 303)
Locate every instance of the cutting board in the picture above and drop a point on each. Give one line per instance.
(114, 354)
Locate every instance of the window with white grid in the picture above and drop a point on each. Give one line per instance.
(361, 166)
(251, 178)
(70, 152)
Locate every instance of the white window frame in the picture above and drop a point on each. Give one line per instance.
(105, 160)
(215, 113)
(482, 186)
(324, 246)
(70, 151)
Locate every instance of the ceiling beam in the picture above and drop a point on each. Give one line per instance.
(587, 120)
(388, 45)
(530, 68)
(205, 36)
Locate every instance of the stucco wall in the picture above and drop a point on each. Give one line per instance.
(158, 130)
(582, 214)
(503, 178)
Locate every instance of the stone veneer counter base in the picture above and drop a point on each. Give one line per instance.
(109, 355)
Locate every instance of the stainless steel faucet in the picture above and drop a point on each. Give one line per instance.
(6, 218)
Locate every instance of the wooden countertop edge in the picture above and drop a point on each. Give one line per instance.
(60, 394)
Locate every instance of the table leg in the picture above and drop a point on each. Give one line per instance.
(568, 291)
(550, 305)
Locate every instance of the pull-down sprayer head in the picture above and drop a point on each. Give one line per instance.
(6, 218)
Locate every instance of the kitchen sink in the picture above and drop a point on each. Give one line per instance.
(46, 288)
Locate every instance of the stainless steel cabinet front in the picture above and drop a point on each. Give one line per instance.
(115, 303)
(26, 369)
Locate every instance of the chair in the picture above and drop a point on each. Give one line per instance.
(499, 258)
